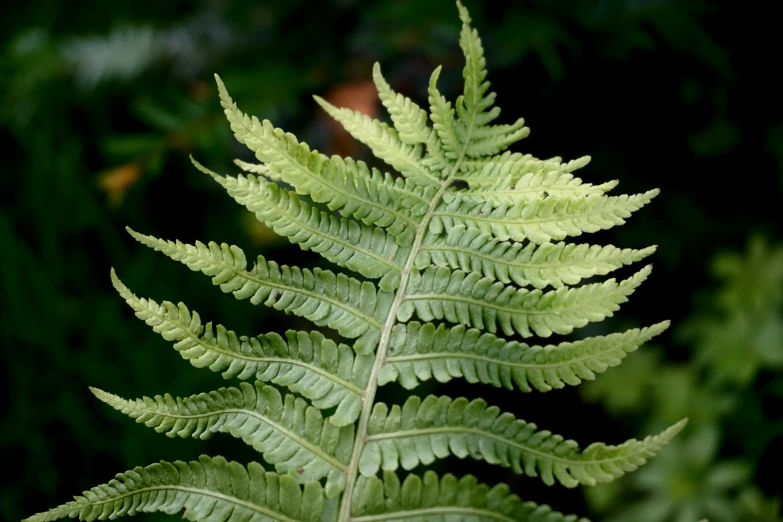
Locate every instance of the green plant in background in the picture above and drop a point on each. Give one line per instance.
(464, 236)
(737, 341)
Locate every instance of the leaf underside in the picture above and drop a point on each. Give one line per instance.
(461, 241)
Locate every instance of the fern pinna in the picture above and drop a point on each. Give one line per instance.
(468, 241)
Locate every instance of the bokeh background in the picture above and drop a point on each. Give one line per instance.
(101, 103)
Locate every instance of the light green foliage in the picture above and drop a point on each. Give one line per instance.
(361, 248)
(353, 308)
(306, 363)
(469, 298)
(520, 178)
(289, 433)
(210, 487)
(465, 233)
(549, 264)
(444, 499)
(422, 430)
(421, 352)
(541, 219)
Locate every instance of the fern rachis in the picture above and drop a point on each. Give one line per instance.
(468, 234)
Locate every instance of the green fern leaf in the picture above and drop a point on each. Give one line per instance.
(353, 308)
(208, 489)
(443, 118)
(291, 434)
(385, 143)
(445, 499)
(492, 169)
(421, 352)
(410, 121)
(474, 107)
(541, 219)
(309, 364)
(253, 168)
(527, 179)
(468, 298)
(422, 431)
(346, 186)
(368, 251)
(548, 264)
(466, 234)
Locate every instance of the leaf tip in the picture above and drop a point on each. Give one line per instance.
(222, 88)
(101, 395)
(676, 428)
(203, 169)
(463, 13)
(115, 281)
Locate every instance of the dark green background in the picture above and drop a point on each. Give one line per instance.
(684, 96)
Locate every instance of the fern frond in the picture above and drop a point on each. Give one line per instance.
(290, 434)
(410, 121)
(385, 143)
(468, 298)
(514, 166)
(309, 364)
(467, 234)
(541, 219)
(253, 168)
(492, 139)
(548, 264)
(346, 186)
(424, 430)
(482, 170)
(366, 250)
(353, 308)
(528, 178)
(208, 489)
(446, 499)
(442, 116)
(422, 352)
(473, 104)
(475, 107)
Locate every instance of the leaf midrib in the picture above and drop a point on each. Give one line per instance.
(315, 450)
(248, 274)
(204, 492)
(305, 225)
(581, 190)
(619, 289)
(460, 355)
(437, 510)
(369, 398)
(520, 265)
(518, 221)
(451, 430)
(278, 360)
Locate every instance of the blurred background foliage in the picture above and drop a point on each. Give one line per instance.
(103, 101)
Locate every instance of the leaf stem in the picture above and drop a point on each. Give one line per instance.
(368, 399)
